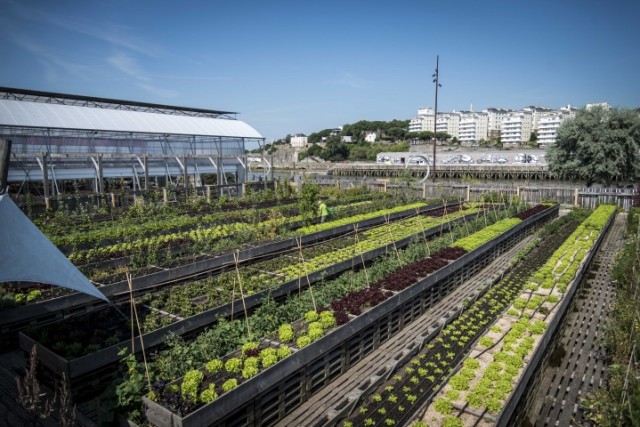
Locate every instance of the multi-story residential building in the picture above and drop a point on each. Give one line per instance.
(547, 127)
(449, 123)
(473, 127)
(516, 128)
(423, 121)
(604, 105)
(299, 140)
(536, 113)
(549, 123)
(495, 117)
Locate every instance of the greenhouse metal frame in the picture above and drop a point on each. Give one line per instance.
(57, 137)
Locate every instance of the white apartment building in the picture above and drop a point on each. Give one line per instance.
(299, 140)
(604, 105)
(423, 121)
(516, 128)
(449, 123)
(549, 123)
(536, 114)
(495, 116)
(547, 127)
(473, 128)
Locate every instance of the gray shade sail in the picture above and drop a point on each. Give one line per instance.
(26, 255)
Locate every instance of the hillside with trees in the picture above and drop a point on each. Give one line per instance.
(350, 143)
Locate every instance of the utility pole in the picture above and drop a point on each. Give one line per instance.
(435, 117)
(5, 155)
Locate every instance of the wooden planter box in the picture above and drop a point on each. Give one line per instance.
(103, 363)
(16, 319)
(274, 393)
(510, 411)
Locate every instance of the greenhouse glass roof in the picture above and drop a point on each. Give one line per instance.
(56, 116)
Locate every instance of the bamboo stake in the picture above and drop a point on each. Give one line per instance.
(424, 233)
(135, 311)
(244, 304)
(386, 217)
(364, 266)
(306, 273)
(464, 219)
(233, 297)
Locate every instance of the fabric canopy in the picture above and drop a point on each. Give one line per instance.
(26, 255)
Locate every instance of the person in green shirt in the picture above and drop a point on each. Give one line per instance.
(323, 210)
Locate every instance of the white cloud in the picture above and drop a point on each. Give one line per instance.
(127, 65)
(50, 60)
(159, 92)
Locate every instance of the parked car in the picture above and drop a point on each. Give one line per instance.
(525, 158)
(458, 158)
(490, 158)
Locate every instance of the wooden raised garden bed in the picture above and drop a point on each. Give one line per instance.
(39, 313)
(278, 390)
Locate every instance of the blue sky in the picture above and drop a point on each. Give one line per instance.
(303, 66)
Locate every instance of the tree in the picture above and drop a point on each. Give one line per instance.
(598, 146)
(443, 136)
(396, 133)
(360, 152)
(314, 151)
(316, 137)
(335, 150)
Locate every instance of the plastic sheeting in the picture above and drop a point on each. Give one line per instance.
(55, 116)
(26, 255)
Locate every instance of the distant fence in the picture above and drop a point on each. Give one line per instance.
(567, 195)
(580, 197)
(123, 198)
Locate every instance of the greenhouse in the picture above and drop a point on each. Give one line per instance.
(57, 137)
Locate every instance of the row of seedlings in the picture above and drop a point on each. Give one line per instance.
(78, 349)
(71, 303)
(402, 395)
(205, 235)
(109, 263)
(480, 391)
(298, 368)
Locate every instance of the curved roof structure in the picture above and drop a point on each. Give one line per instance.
(85, 137)
(15, 113)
